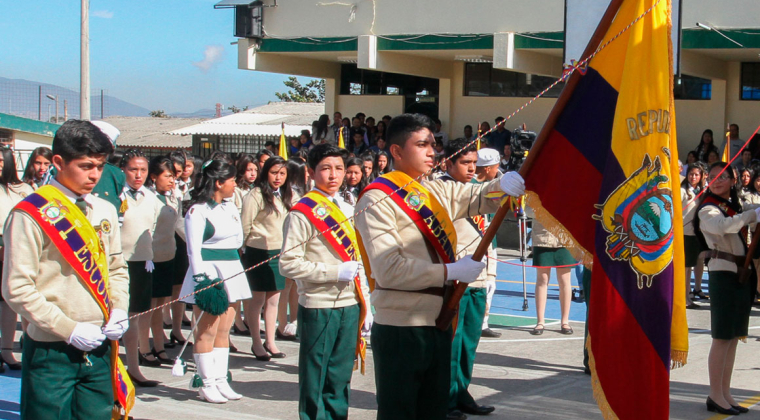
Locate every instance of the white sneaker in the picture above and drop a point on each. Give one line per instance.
(221, 363)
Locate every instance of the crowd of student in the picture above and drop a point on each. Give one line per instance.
(166, 223)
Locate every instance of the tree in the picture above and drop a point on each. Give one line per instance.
(313, 91)
(235, 109)
(159, 113)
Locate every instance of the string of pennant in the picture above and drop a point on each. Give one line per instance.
(574, 66)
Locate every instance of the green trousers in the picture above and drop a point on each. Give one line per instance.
(326, 361)
(587, 298)
(58, 384)
(412, 372)
(472, 310)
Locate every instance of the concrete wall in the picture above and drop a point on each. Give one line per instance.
(721, 14)
(744, 113)
(390, 17)
(694, 117)
(371, 105)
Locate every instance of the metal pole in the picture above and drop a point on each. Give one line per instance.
(84, 86)
(101, 104)
(65, 111)
(523, 226)
(56, 109)
(39, 104)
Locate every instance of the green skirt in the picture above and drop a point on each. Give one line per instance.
(163, 279)
(140, 286)
(691, 250)
(266, 277)
(730, 305)
(551, 257)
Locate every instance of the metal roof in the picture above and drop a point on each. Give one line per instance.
(151, 132)
(226, 4)
(16, 123)
(265, 120)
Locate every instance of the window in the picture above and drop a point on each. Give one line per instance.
(693, 88)
(750, 82)
(483, 80)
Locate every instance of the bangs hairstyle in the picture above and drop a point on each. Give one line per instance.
(179, 157)
(157, 166)
(401, 128)
(132, 154)
(29, 172)
(242, 167)
(8, 176)
(325, 150)
(453, 152)
(205, 183)
(262, 182)
(364, 181)
(77, 139)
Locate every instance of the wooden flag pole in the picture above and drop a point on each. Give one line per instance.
(451, 305)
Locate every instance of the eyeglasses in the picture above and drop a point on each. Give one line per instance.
(723, 177)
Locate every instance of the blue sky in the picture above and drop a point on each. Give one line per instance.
(140, 51)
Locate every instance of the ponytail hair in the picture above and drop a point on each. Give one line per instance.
(205, 183)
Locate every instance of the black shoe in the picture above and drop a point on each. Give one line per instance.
(566, 331)
(693, 306)
(145, 384)
(233, 349)
(167, 326)
(279, 355)
(173, 339)
(475, 409)
(712, 406)
(11, 366)
(536, 330)
(740, 409)
(284, 337)
(186, 323)
(143, 360)
(699, 294)
(489, 333)
(264, 358)
(455, 415)
(165, 360)
(238, 331)
(587, 371)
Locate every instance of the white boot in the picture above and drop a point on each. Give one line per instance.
(204, 364)
(221, 364)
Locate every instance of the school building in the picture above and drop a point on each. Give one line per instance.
(466, 62)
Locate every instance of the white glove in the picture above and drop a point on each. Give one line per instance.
(368, 320)
(149, 266)
(757, 212)
(86, 337)
(347, 270)
(512, 184)
(466, 270)
(115, 327)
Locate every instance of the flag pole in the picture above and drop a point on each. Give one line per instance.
(451, 305)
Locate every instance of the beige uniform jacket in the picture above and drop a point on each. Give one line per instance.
(720, 233)
(314, 265)
(689, 210)
(262, 227)
(399, 255)
(169, 222)
(44, 289)
(139, 225)
(9, 197)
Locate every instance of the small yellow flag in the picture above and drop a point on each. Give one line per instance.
(726, 155)
(283, 144)
(341, 141)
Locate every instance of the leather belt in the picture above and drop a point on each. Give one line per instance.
(433, 291)
(725, 256)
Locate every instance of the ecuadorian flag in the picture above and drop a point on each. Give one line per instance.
(605, 180)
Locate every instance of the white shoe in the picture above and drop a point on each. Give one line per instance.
(221, 364)
(205, 366)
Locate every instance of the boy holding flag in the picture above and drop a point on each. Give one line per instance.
(332, 298)
(69, 280)
(408, 245)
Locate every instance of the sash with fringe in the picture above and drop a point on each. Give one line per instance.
(81, 246)
(327, 216)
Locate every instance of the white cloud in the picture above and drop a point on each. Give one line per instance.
(105, 14)
(211, 55)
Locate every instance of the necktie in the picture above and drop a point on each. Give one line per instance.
(81, 204)
(335, 200)
(134, 192)
(277, 193)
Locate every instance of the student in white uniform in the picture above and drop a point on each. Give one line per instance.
(214, 235)
(138, 214)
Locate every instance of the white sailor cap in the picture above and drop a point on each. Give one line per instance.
(108, 129)
(488, 157)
